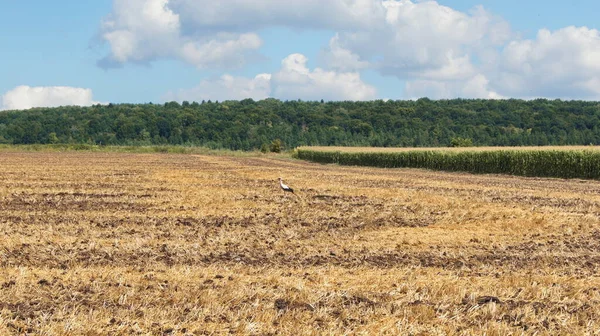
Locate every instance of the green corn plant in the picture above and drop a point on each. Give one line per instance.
(541, 163)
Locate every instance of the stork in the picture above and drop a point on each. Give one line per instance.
(285, 187)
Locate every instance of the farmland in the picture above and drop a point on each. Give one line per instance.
(172, 244)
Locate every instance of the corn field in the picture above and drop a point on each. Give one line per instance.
(531, 162)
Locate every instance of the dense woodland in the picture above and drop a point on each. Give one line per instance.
(249, 124)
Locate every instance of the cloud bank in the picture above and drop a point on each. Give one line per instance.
(294, 79)
(436, 50)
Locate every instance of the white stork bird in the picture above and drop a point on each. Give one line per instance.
(285, 187)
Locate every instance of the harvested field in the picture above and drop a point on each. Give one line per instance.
(167, 244)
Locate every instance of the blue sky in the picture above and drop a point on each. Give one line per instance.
(76, 52)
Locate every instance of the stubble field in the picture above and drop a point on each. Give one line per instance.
(162, 244)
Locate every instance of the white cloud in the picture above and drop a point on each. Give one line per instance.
(478, 87)
(336, 57)
(444, 53)
(294, 80)
(563, 63)
(437, 50)
(423, 40)
(226, 87)
(140, 30)
(224, 51)
(474, 87)
(218, 33)
(145, 30)
(249, 15)
(556, 64)
(411, 40)
(26, 97)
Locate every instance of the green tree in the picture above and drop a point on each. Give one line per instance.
(461, 142)
(276, 146)
(264, 148)
(52, 138)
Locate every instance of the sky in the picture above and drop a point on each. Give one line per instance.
(69, 52)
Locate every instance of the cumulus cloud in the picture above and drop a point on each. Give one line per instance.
(139, 31)
(445, 53)
(226, 87)
(561, 63)
(250, 15)
(26, 97)
(423, 40)
(440, 52)
(409, 37)
(339, 58)
(217, 33)
(224, 51)
(474, 87)
(437, 50)
(555, 64)
(294, 80)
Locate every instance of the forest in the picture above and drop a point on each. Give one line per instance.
(250, 125)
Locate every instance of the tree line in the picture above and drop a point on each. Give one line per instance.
(249, 124)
